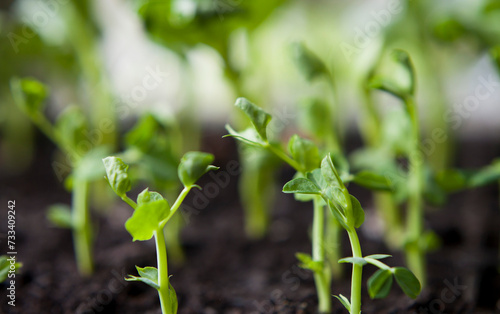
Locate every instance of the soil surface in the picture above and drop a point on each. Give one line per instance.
(224, 272)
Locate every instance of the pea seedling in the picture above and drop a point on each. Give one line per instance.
(68, 134)
(327, 184)
(304, 157)
(151, 213)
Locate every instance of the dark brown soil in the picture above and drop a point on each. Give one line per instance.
(226, 273)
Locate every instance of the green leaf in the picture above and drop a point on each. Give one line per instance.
(315, 118)
(353, 260)
(358, 212)
(301, 185)
(60, 215)
(330, 173)
(193, 165)
(259, 118)
(304, 152)
(451, 180)
(117, 175)
(147, 197)
(338, 213)
(317, 178)
(395, 75)
(484, 176)
(146, 219)
(336, 195)
(307, 262)
(380, 283)
(29, 94)
(309, 64)
(248, 136)
(147, 275)
(345, 302)
(378, 256)
(407, 281)
(173, 298)
(71, 126)
(372, 181)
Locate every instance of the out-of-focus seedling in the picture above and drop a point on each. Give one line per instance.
(8, 268)
(81, 159)
(151, 213)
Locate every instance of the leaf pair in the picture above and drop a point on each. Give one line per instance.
(380, 283)
(327, 183)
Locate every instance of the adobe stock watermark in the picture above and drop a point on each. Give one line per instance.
(105, 296)
(364, 36)
(448, 295)
(47, 10)
(455, 117)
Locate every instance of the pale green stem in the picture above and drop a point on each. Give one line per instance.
(163, 280)
(82, 236)
(278, 152)
(176, 205)
(322, 279)
(415, 217)
(129, 201)
(357, 273)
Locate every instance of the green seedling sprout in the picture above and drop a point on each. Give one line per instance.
(151, 214)
(398, 79)
(67, 134)
(304, 157)
(327, 184)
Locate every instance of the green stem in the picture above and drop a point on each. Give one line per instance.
(415, 217)
(172, 234)
(278, 152)
(322, 279)
(333, 244)
(176, 205)
(129, 201)
(357, 272)
(82, 236)
(163, 280)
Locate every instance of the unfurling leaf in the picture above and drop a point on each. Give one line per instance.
(147, 197)
(330, 173)
(407, 281)
(146, 219)
(380, 283)
(147, 275)
(259, 118)
(117, 175)
(193, 165)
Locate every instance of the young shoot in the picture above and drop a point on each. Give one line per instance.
(68, 133)
(326, 183)
(151, 213)
(304, 157)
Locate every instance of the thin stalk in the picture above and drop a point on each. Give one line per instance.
(322, 279)
(333, 247)
(357, 272)
(129, 201)
(172, 235)
(163, 280)
(176, 205)
(415, 218)
(285, 158)
(82, 235)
